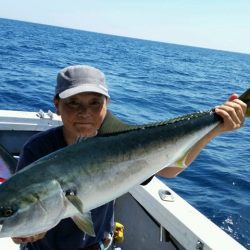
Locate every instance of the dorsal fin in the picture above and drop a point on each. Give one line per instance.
(111, 125)
(80, 139)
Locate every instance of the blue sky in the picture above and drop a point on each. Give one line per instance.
(218, 24)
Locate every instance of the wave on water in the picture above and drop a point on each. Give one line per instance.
(148, 81)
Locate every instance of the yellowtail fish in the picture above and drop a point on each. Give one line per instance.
(72, 181)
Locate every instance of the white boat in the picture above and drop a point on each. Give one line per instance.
(154, 216)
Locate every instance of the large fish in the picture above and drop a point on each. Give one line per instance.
(72, 181)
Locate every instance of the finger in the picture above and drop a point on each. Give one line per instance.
(20, 240)
(237, 110)
(242, 106)
(34, 238)
(16, 240)
(233, 97)
(240, 109)
(228, 112)
(40, 236)
(229, 120)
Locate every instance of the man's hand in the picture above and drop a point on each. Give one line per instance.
(20, 240)
(233, 114)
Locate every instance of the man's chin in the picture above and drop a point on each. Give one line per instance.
(85, 130)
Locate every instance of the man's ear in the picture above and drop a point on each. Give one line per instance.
(56, 103)
(107, 100)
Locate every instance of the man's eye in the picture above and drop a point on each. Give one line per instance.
(73, 104)
(95, 103)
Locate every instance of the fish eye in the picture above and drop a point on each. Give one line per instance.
(7, 211)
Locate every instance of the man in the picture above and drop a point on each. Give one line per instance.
(81, 99)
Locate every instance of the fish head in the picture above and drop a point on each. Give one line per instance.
(30, 210)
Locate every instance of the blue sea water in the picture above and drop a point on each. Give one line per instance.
(148, 81)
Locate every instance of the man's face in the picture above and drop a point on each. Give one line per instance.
(82, 114)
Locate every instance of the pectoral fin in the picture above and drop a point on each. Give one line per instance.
(85, 223)
(82, 220)
(77, 203)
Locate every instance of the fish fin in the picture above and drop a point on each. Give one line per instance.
(245, 97)
(112, 124)
(85, 223)
(76, 202)
(181, 163)
(82, 220)
(80, 139)
(8, 163)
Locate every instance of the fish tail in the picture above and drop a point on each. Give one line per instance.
(245, 97)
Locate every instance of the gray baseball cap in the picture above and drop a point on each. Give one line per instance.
(77, 79)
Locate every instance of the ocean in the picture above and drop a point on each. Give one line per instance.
(149, 81)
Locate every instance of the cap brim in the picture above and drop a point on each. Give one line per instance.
(84, 88)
